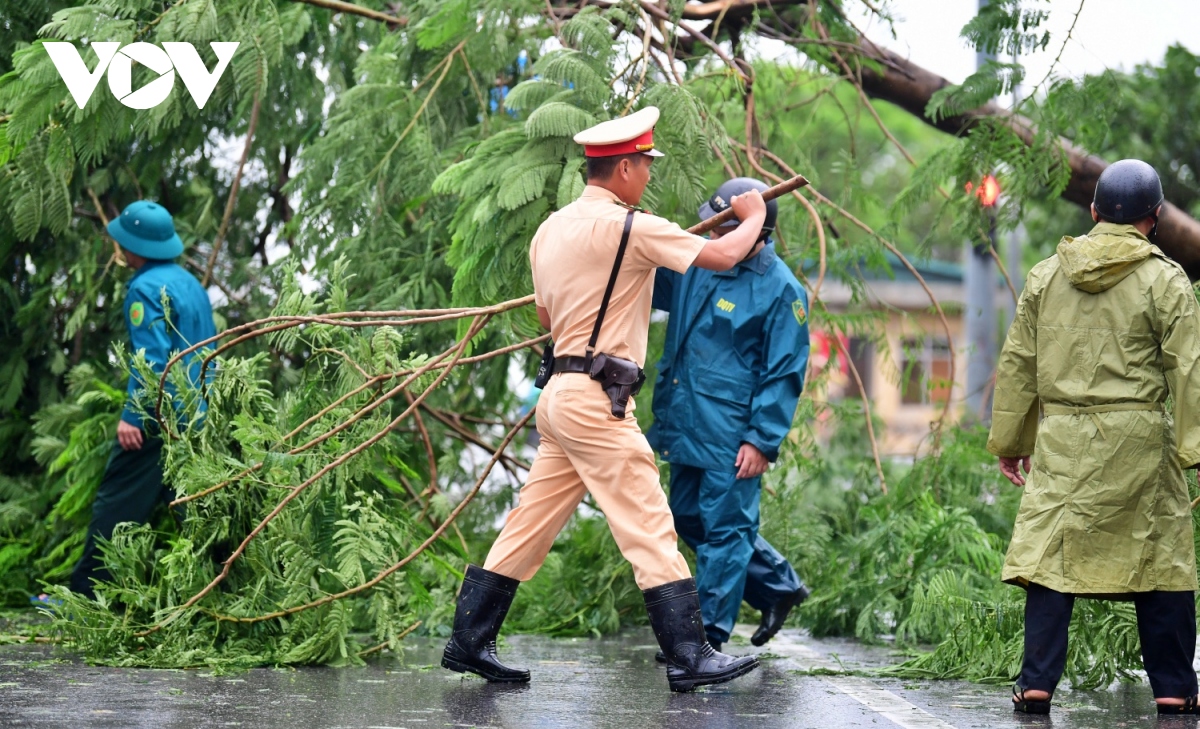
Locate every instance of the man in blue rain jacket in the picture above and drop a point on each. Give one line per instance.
(728, 384)
(133, 480)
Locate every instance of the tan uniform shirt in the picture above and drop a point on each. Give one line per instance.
(572, 256)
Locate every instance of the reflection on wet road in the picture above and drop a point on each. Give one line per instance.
(612, 683)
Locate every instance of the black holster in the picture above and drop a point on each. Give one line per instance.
(620, 378)
(545, 367)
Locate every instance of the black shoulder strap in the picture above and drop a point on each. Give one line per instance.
(612, 281)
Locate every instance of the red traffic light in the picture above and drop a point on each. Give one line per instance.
(987, 192)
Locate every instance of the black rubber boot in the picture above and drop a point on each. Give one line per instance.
(482, 604)
(674, 610)
(774, 616)
(660, 657)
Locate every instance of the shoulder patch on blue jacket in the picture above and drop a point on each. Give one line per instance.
(799, 312)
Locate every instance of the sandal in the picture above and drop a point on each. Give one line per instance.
(1189, 706)
(1030, 706)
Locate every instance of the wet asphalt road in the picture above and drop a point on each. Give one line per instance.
(609, 683)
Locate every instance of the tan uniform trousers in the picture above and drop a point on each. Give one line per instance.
(584, 449)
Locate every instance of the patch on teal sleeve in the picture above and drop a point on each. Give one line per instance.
(137, 313)
(799, 312)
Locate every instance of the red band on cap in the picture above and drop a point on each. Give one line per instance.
(644, 143)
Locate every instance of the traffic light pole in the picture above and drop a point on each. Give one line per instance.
(979, 316)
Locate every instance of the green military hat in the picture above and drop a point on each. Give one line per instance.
(146, 229)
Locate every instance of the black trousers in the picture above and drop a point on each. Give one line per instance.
(131, 489)
(1166, 627)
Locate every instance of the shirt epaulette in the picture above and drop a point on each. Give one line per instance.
(634, 208)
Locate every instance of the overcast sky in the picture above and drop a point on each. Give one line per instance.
(1117, 34)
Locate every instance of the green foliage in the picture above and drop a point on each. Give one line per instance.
(42, 524)
(871, 556)
(994, 79)
(602, 596)
(381, 177)
(506, 185)
(985, 638)
(1008, 27)
(338, 533)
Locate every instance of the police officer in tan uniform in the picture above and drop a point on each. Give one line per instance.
(589, 444)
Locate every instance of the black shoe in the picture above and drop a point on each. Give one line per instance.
(1032, 706)
(674, 610)
(660, 657)
(482, 604)
(774, 616)
(1187, 708)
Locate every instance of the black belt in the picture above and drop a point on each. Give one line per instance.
(570, 364)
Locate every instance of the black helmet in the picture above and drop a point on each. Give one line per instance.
(1127, 191)
(737, 186)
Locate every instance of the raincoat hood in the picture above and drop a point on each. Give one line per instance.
(1104, 257)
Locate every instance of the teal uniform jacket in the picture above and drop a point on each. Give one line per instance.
(191, 321)
(733, 364)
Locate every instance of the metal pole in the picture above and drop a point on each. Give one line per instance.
(1016, 269)
(979, 316)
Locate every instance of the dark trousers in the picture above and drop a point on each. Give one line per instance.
(131, 489)
(716, 514)
(1166, 627)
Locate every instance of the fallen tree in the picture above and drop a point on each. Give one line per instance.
(886, 75)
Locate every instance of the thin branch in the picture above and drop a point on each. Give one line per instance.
(712, 45)
(866, 401)
(554, 21)
(403, 634)
(337, 318)
(1058, 58)
(428, 442)
(435, 364)
(508, 438)
(478, 324)
(237, 182)
(116, 257)
(821, 245)
(470, 437)
(645, 64)
(343, 7)
(915, 274)
(343, 425)
(445, 65)
(483, 105)
(812, 211)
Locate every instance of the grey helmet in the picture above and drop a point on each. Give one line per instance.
(719, 201)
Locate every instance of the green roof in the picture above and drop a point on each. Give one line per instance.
(932, 271)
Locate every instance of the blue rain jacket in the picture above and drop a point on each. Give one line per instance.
(145, 317)
(733, 364)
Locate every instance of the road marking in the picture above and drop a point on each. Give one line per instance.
(863, 690)
(886, 704)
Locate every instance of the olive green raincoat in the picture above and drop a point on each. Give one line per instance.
(1105, 331)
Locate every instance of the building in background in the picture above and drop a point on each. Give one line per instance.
(907, 370)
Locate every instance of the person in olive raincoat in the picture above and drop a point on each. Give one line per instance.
(728, 384)
(1105, 332)
(132, 486)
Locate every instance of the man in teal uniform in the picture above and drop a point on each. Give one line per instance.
(728, 384)
(133, 480)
